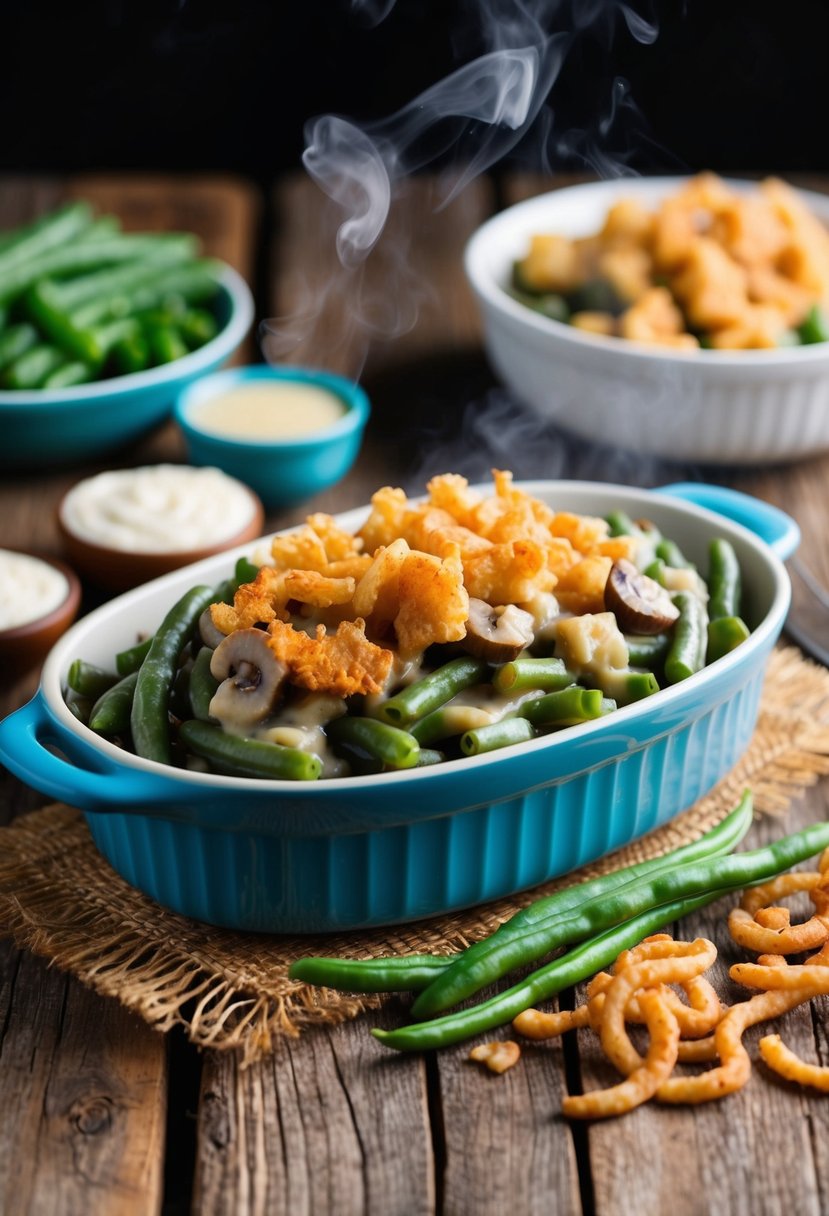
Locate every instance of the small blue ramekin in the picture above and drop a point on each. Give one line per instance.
(280, 471)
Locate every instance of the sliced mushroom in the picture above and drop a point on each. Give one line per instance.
(251, 676)
(638, 602)
(497, 634)
(208, 632)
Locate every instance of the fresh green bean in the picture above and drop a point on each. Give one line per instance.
(725, 634)
(564, 972)
(520, 941)
(80, 708)
(598, 952)
(69, 374)
(565, 708)
(131, 659)
(131, 353)
(647, 650)
(15, 341)
(547, 675)
(388, 744)
(504, 733)
(112, 285)
(400, 973)
(88, 679)
(433, 690)
(686, 654)
(85, 255)
(166, 343)
(248, 757)
(110, 715)
(57, 325)
(203, 685)
(197, 326)
(149, 721)
(46, 233)
(32, 368)
(720, 839)
(723, 580)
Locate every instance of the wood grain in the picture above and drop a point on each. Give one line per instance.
(86, 1083)
(331, 1124)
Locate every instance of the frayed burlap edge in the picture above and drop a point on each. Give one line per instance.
(60, 899)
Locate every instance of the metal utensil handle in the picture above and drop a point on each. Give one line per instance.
(780, 532)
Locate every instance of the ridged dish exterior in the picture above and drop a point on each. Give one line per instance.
(331, 882)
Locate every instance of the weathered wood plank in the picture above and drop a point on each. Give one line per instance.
(330, 1124)
(506, 1147)
(86, 1083)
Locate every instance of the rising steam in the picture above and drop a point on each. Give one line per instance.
(468, 121)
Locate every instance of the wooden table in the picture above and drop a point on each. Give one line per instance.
(104, 1117)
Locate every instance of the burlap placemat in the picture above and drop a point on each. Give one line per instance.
(59, 898)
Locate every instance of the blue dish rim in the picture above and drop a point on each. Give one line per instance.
(349, 391)
(217, 349)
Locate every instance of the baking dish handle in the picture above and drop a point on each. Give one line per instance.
(46, 757)
(780, 532)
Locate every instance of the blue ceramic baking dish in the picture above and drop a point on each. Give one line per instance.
(359, 851)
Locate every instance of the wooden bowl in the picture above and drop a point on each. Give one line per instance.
(118, 569)
(25, 646)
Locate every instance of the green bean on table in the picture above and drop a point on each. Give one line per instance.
(720, 839)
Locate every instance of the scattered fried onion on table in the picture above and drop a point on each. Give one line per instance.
(699, 1028)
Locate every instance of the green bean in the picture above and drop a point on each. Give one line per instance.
(46, 233)
(720, 839)
(113, 285)
(656, 571)
(197, 327)
(110, 715)
(565, 708)
(723, 580)
(15, 341)
(150, 728)
(724, 635)
(248, 757)
(621, 524)
(564, 972)
(246, 570)
(203, 685)
(521, 940)
(80, 708)
(58, 326)
(489, 738)
(400, 973)
(69, 374)
(88, 679)
(83, 255)
(388, 744)
(166, 343)
(686, 654)
(671, 554)
(625, 687)
(131, 659)
(815, 327)
(433, 690)
(547, 675)
(647, 650)
(449, 721)
(31, 369)
(131, 353)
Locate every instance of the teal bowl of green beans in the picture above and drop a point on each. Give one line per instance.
(301, 852)
(101, 329)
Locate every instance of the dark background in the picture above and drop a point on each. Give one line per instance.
(198, 85)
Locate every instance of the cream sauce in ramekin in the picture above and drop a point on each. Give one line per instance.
(161, 508)
(29, 589)
(268, 410)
